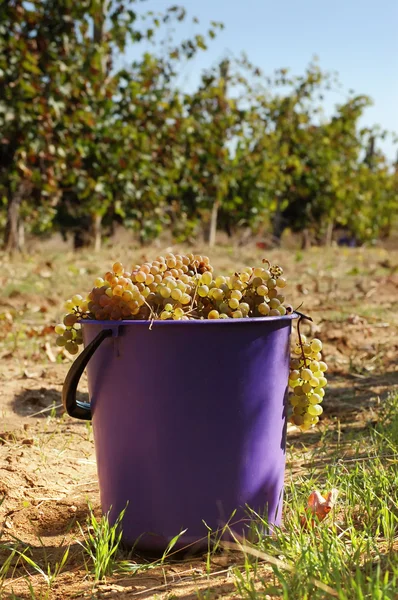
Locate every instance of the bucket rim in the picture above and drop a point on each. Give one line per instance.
(190, 323)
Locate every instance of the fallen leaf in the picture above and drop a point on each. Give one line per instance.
(7, 436)
(28, 442)
(49, 352)
(33, 374)
(318, 507)
(40, 331)
(301, 289)
(356, 319)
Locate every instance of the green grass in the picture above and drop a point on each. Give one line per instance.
(101, 542)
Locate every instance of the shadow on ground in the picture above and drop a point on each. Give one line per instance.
(355, 392)
(41, 402)
(352, 406)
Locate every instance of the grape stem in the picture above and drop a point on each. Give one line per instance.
(152, 314)
(196, 289)
(301, 317)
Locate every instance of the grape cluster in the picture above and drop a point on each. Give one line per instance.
(183, 287)
(307, 381)
(178, 287)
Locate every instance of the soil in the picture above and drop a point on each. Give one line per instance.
(48, 475)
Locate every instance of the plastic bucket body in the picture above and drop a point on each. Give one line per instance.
(189, 421)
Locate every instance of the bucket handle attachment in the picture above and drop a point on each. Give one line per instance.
(74, 408)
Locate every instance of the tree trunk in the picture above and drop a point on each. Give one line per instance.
(329, 234)
(213, 224)
(12, 239)
(99, 30)
(306, 239)
(277, 222)
(97, 231)
(21, 234)
(98, 37)
(228, 228)
(99, 22)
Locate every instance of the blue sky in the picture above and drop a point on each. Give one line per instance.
(356, 38)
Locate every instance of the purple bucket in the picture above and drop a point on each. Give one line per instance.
(189, 421)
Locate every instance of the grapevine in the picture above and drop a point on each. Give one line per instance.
(184, 287)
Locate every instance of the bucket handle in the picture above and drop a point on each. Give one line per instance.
(74, 408)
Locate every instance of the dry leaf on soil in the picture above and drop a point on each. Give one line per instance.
(318, 507)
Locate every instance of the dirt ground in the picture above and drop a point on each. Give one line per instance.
(47, 462)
